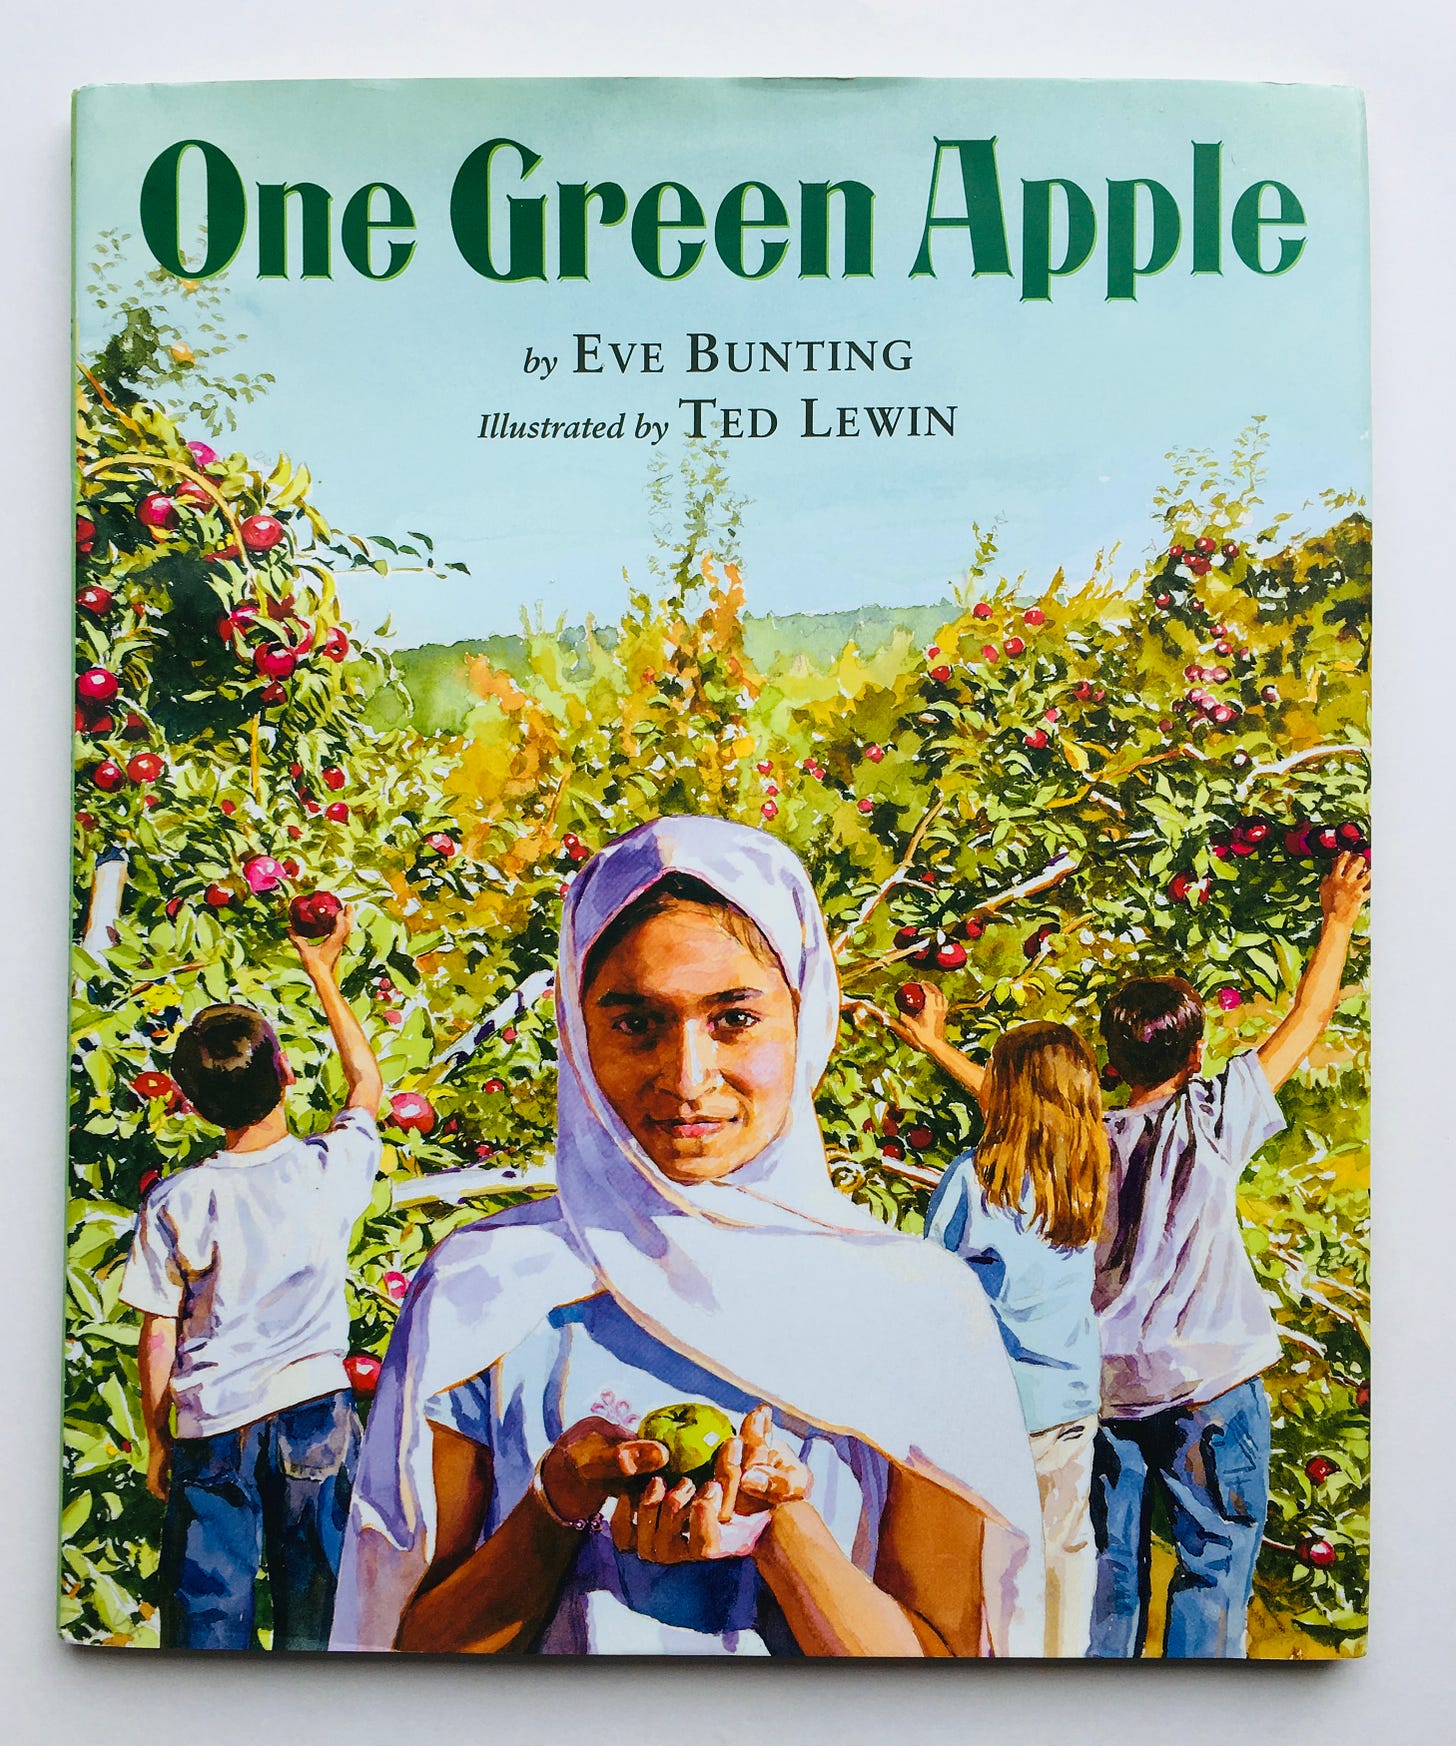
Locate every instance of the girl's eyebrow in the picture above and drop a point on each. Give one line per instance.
(623, 997)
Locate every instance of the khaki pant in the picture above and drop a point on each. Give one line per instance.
(1063, 1456)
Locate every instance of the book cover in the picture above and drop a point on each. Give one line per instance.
(721, 838)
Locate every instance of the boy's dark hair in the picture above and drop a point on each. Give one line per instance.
(230, 1066)
(1151, 1027)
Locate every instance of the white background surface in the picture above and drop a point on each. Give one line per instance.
(1403, 53)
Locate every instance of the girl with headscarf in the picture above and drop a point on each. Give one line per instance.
(878, 1497)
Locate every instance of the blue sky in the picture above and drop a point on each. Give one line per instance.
(1064, 410)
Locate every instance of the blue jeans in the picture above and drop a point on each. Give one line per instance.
(1210, 1463)
(275, 1493)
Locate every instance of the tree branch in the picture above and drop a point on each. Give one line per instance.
(871, 904)
(1295, 759)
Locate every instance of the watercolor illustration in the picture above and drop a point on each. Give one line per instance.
(777, 1062)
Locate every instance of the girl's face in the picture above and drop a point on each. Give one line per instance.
(692, 1038)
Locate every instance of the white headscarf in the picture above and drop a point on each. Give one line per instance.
(769, 1277)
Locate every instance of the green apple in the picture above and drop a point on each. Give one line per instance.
(693, 1433)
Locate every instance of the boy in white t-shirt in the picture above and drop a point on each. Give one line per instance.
(238, 1268)
(1185, 1328)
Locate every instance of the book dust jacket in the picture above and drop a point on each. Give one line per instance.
(719, 979)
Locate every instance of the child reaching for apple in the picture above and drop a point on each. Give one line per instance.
(238, 1268)
(1184, 1328)
(1023, 1210)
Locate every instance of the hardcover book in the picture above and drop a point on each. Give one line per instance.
(721, 851)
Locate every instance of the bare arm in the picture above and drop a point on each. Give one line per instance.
(320, 958)
(925, 1598)
(156, 1358)
(493, 1599)
(925, 1031)
(1343, 892)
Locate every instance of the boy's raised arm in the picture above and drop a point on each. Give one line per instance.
(320, 958)
(925, 1030)
(1343, 892)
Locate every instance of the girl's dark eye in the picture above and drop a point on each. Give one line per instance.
(632, 1024)
(738, 1018)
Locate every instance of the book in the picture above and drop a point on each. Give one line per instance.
(721, 828)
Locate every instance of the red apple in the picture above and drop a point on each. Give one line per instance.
(203, 455)
(157, 510)
(85, 533)
(1014, 646)
(412, 1111)
(875, 754)
(1199, 567)
(1205, 545)
(1230, 549)
(108, 776)
(770, 809)
(950, 955)
(493, 1087)
(764, 767)
(1229, 999)
(273, 693)
(907, 936)
(1319, 1468)
(312, 914)
(990, 653)
(910, 998)
(1318, 1554)
(97, 685)
(396, 1285)
(1175, 551)
(1034, 944)
(1163, 601)
(189, 491)
(152, 1085)
(1033, 616)
(1325, 839)
(891, 1149)
(920, 1137)
(443, 844)
(227, 807)
(1297, 843)
(932, 651)
(134, 727)
(941, 674)
(336, 812)
(274, 661)
(263, 873)
(1037, 740)
(335, 646)
(1184, 885)
(333, 777)
(362, 1369)
(290, 867)
(145, 767)
(261, 533)
(973, 928)
(95, 600)
(865, 804)
(982, 609)
(217, 896)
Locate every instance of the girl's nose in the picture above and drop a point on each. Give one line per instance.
(692, 1069)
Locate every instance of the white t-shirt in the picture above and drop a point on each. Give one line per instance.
(249, 1251)
(1180, 1312)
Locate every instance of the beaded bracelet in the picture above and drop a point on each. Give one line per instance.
(577, 1524)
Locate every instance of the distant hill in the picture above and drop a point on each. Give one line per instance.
(436, 675)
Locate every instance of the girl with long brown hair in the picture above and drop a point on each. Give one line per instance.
(1024, 1210)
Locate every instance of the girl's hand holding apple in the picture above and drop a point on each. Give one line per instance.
(675, 1522)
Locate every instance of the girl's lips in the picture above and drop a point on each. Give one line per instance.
(699, 1128)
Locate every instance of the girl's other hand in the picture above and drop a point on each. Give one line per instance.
(923, 1030)
(591, 1461)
